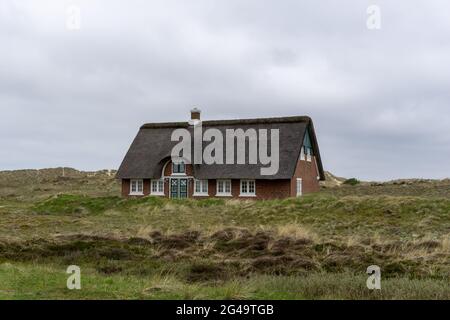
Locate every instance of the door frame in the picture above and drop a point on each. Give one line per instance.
(178, 184)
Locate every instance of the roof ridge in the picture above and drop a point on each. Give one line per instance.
(288, 119)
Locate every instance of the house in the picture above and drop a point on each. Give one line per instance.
(148, 168)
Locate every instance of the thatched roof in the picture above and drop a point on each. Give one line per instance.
(152, 147)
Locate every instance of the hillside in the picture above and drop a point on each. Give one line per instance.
(314, 247)
(31, 184)
(26, 184)
(331, 180)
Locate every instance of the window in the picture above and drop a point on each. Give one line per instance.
(248, 188)
(137, 187)
(178, 167)
(302, 154)
(157, 187)
(201, 188)
(308, 154)
(299, 187)
(224, 187)
(307, 147)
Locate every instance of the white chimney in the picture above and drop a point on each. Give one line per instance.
(195, 114)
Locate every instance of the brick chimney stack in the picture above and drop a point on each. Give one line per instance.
(195, 114)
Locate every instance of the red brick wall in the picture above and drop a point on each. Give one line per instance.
(146, 187)
(125, 187)
(272, 189)
(308, 172)
(265, 189)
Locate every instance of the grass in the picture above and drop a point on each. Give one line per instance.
(75, 204)
(391, 217)
(47, 282)
(314, 247)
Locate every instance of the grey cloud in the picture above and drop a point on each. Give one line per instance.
(379, 99)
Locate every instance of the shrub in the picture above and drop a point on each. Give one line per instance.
(75, 204)
(352, 181)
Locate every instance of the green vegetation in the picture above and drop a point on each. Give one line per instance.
(331, 217)
(32, 281)
(352, 181)
(314, 247)
(75, 204)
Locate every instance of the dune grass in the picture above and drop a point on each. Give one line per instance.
(30, 281)
(314, 247)
(389, 217)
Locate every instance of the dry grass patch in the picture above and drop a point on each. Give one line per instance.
(297, 232)
(221, 255)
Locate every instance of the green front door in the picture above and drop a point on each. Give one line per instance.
(178, 188)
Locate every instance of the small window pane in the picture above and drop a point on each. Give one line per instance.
(178, 167)
(223, 186)
(201, 186)
(137, 186)
(227, 186)
(299, 187)
(197, 186)
(158, 186)
(251, 186)
(244, 187)
(248, 187)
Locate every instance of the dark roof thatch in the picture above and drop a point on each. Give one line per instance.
(152, 147)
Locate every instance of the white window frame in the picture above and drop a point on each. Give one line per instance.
(159, 187)
(202, 184)
(298, 183)
(223, 193)
(136, 183)
(179, 173)
(246, 183)
(302, 154)
(308, 154)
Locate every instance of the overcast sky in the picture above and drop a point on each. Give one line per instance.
(379, 98)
